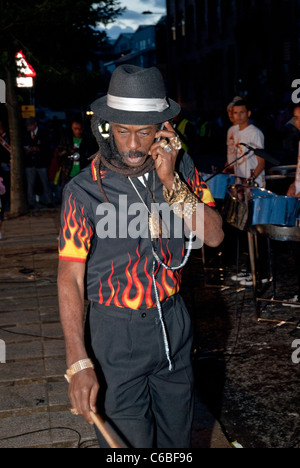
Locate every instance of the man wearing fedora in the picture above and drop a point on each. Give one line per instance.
(130, 256)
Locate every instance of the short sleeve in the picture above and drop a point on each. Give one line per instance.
(257, 139)
(197, 185)
(76, 231)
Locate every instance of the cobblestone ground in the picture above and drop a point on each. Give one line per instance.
(244, 368)
(33, 393)
(34, 407)
(247, 386)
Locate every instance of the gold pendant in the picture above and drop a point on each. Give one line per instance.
(154, 227)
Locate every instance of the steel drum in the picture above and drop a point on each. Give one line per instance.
(236, 205)
(278, 233)
(286, 171)
(219, 184)
(275, 210)
(279, 179)
(250, 206)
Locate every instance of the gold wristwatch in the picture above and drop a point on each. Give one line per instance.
(78, 367)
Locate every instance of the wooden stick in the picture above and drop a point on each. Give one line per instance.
(109, 434)
(279, 323)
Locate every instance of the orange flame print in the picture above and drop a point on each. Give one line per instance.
(75, 237)
(136, 291)
(201, 190)
(136, 302)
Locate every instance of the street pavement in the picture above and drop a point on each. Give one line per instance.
(34, 406)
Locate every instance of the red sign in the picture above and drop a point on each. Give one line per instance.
(25, 69)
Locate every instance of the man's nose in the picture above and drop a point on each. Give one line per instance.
(133, 142)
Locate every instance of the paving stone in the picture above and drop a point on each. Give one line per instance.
(58, 393)
(23, 399)
(67, 437)
(55, 367)
(23, 351)
(34, 404)
(52, 330)
(48, 301)
(17, 303)
(22, 371)
(29, 431)
(54, 348)
(13, 317)
(20, 332)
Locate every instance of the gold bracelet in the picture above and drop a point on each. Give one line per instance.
(181, 195)
(170, 197)
(78, 367)
(187, 208)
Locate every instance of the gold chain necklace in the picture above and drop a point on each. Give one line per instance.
(153, 219)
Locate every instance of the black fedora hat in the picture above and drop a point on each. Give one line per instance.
(136, 96)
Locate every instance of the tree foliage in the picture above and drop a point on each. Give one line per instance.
(53, 32)
(58, 38)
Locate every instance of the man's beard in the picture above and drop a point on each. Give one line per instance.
(109, 157)
(115, 154)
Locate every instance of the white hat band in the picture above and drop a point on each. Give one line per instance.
(137, 104)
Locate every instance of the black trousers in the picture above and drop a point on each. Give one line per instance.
(150, 405)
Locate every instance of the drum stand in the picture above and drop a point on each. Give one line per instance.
(271, 233)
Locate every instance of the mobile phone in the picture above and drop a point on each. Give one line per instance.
(161, 128)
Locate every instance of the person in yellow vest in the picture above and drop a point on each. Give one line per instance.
(186, 131)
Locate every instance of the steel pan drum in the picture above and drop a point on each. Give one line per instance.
(279, 179)
(219, 184)
(236, 205)
(249, 206)
(286, 171)
(278, 233)
(275, 210)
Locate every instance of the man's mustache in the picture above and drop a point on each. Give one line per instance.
(133, 154)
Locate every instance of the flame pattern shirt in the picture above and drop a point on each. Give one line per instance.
(119, 262)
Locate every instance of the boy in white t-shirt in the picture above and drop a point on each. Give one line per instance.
(244, 132)
(247, 167)
(230, 134)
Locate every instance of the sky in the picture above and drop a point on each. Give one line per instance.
(133, 17)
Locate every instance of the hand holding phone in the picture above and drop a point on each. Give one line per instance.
(161, 128)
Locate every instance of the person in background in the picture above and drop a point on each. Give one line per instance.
(250, 166)
(2, 192)
(230, 108)
(187, 133)
(292, 137)
(294, 191)
(74, 151)
(231, 151)
(5, 151)
(37, 161)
